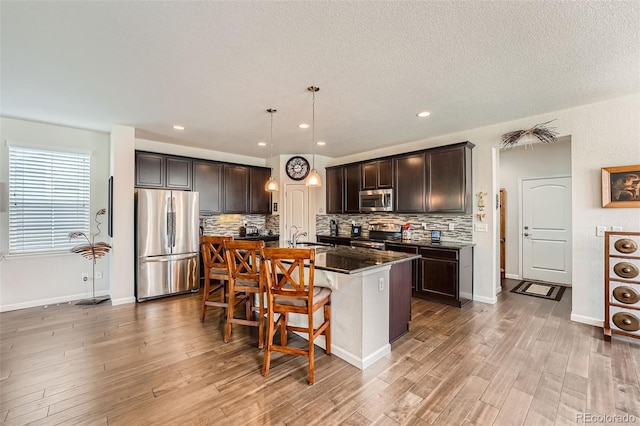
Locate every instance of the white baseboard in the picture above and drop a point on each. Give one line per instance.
(587, 320)
(123, 300)
(489, 300)
(51, 301)
(352, 359)
(512, 276)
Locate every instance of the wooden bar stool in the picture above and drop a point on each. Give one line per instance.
(215, 268)
(288, 293)
(246, 280)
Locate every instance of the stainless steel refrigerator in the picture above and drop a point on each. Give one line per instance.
(167, 242)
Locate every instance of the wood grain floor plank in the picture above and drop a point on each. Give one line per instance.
(156, 363)
(515, 409)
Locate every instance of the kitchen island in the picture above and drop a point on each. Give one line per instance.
(371, 296)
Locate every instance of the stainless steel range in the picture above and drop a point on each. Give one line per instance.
(378, 234)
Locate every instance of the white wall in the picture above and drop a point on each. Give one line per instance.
(603, 134)
(27, 281)
(518, 163)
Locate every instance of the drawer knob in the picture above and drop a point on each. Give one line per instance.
(626, 245)
(626, 270)
(626, 295)
(626, 321)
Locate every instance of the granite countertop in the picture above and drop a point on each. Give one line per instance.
(274, 237)
(415, 243)
(351, 260)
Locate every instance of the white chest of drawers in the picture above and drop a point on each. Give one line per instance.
(622, 284)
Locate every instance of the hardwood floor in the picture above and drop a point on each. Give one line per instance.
(521, 361)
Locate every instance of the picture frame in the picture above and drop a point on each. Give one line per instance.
(110, 209)
(621, 186)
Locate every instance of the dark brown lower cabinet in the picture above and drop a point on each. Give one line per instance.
(399, 299)
(446, 275)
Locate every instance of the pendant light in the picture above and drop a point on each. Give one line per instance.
(272, 184)
(313, 179)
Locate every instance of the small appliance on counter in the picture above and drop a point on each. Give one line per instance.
(435, 237)
(249, 231)
(356, 231)
(333, 228)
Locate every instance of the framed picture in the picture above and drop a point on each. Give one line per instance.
(621, 186)
(110, 209)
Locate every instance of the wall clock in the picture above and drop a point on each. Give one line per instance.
(297, 168)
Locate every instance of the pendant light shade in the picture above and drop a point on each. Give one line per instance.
(271, 185)
(313, 179)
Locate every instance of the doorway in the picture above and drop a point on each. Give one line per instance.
(296, 212)
(546, 229)
(515, 165)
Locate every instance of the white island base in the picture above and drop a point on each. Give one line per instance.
(359, 315)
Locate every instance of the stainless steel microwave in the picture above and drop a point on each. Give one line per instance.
(377, 200)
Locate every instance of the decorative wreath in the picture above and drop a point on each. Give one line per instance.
(540, 131)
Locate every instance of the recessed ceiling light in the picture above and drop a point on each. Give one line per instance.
(423, 114)
(303, 126)
(321, 143)
(178, 127)
(262, 143)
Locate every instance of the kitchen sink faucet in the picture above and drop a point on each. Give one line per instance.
(296, 236)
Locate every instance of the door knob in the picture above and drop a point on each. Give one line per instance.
(526, 234)
(526, 227)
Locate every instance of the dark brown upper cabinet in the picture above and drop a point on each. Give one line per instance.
(377, 174)
(352, 184)
(259, 199)
(150, 170)
(449, 179)
(335, 190)
(207, 180)
(236, 189)
(163, 171)
(179, 173)
(410, 183)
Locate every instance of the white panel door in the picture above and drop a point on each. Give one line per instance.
(546, 229)
(296, 211)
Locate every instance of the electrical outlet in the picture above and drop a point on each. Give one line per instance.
(452, 227)
(98, 275)
(85, 276)
(424, 226)
(616, 228)
(380, 284)
(600, 231)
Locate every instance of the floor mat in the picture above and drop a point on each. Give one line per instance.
(535, 289)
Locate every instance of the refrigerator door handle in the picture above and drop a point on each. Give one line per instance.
(173, 222)
(168, 258)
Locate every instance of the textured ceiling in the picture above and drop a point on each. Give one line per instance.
(214, 67)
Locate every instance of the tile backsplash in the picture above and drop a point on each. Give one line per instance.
(229, 224)
(462, 233)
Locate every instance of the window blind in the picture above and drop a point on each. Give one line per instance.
(49, 197)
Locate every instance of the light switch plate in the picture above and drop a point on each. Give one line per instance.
(482, 227)
(600, 231)
(616, 228)
(452, 227)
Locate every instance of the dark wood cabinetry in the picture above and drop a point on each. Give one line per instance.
(150, 170)
(259, 199)
(410, 183)
(179, 173)
(236, 189)
(399, 299)
(446, 275)
(377, 174)
(207, 180)
(223, 187)
(415, 264)
(352, 188)
(343, 189)
(335, 190)
(449, 179)
(162, 171)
